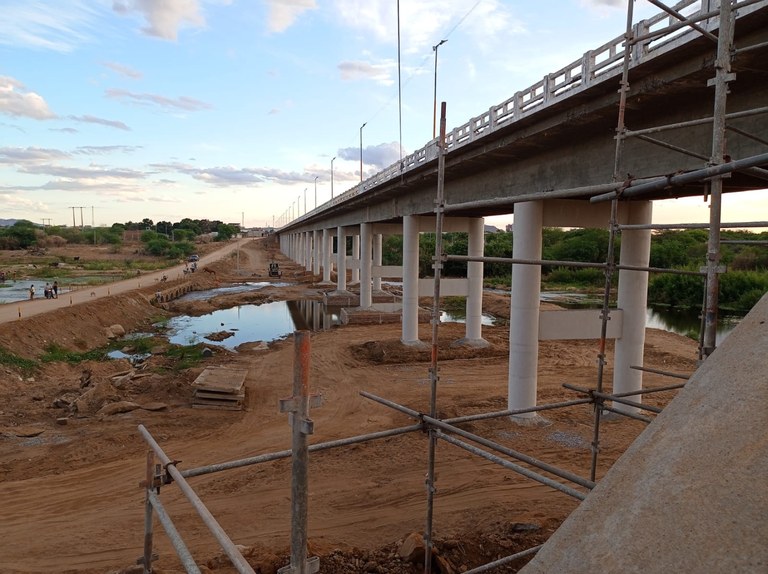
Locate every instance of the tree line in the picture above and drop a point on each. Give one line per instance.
(164, 239)
(744, 283)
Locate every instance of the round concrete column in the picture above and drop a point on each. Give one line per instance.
(316, 252)
(366, 297)
(475, 248)
(524, 308)
(326, 256)
(341, 256)
(356, 257)
(410, 330)
(308, 251)
(377, 241)
(632, 300)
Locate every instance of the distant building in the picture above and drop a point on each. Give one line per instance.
(509, 227)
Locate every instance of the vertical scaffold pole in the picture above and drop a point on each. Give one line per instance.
(621, 129)
(150, 482)
(301, 427)
(433, 370)
(722, 77)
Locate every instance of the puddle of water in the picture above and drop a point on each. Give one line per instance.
(250, 323)
(133, 358)
(446, 317)
(229, 290)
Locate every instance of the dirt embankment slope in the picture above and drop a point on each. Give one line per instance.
(70, 496)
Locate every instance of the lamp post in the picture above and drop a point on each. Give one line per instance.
(361, 151)
(334, 159)
(305, 201)
(434, 108)
(316, 190)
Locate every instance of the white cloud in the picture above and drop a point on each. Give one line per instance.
(47, 24)
(181, 103)
(424, 23)
(16, 200)
(228, 176)
(83, 173)
(16, 101)
(164, 17)
(379, 156)
(123, 70)
(283, 13)
(30, 155)
(381, 73)
(101, 121)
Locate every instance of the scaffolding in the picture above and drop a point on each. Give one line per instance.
(718, 165)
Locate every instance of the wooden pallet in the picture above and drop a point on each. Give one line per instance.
(220, 388)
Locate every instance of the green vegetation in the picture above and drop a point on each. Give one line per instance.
(187, 356)
(55, 353)
(165, 239)
(26, 366)
(740, 288)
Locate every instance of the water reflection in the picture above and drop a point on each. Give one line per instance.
(249, 323)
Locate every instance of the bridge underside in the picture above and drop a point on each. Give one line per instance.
(570, 144)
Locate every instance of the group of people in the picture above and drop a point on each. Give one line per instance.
(50, 291)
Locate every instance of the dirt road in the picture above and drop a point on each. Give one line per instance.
(70, 495)
(14, 311)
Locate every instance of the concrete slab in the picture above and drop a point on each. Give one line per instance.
(220, 388)
(691, 493)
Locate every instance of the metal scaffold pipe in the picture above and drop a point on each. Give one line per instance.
(238, 561)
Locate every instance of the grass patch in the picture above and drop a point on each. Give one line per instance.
(55, 353)
(185, 357)
(26, 366)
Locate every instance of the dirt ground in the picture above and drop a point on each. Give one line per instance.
(71, 500)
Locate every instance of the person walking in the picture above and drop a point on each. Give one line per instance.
(31, 292)
(55, 289)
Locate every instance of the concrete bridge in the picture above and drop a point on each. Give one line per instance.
(688, 105)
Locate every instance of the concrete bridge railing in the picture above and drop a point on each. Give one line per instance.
(653, 37)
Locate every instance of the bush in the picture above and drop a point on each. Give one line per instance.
(584, 276)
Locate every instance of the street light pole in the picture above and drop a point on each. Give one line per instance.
(361, 151)
(334, 159)
(305, 201)
(316, 190)
(434, 108)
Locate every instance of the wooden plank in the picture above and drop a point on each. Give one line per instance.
(221, 379)
(204, 394)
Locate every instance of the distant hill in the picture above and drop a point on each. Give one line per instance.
(7, 222)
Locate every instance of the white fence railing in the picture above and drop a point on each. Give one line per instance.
(661, 33)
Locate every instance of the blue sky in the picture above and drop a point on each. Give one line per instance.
(227, 109)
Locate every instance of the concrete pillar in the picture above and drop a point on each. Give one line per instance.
(632, 299)
(308, 251)
(326, 256)
(476, 247)
(341, 259)
(377, 242)
(366, 260)
(524, 308)
(356, 255)
(316, 249)
(410, 328)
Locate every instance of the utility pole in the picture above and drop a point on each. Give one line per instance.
(73, 216)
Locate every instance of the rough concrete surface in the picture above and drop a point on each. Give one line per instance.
(690, 494)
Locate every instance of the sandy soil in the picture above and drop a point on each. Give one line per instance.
(70, 495)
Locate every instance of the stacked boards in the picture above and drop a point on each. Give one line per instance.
(220, 388)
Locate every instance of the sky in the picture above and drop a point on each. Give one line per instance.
(120, 110)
